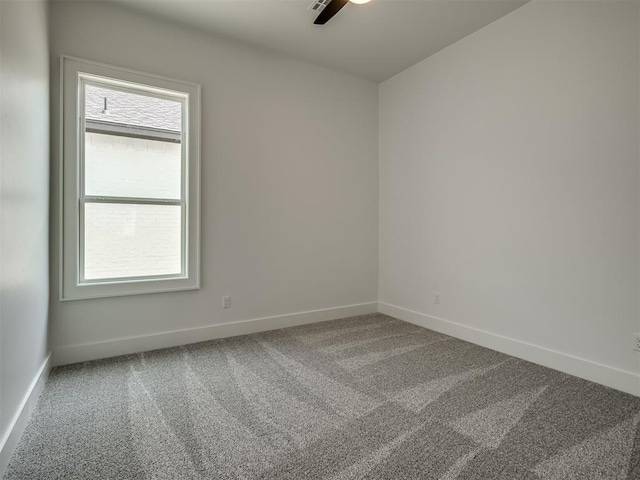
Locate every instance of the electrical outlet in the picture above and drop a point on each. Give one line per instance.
(636, 342)
(436, 298)
(226, 301)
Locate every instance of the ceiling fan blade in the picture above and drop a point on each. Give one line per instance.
(329, 11)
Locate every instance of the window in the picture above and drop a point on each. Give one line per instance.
(130, 182)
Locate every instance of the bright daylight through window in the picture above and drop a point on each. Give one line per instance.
(130, 221)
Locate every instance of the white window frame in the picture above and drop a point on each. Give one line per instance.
(76, 73)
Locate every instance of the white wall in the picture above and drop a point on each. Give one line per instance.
(289, 180)
(24, 211)
(509, 184)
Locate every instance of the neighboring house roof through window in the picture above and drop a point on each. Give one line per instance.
(128, 114)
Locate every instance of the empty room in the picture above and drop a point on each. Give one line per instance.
(320, 239)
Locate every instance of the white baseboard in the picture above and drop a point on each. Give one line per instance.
(623, 380)
(123, 346)
(11, 438)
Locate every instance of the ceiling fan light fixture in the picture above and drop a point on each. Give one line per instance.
(359, 2)
(330, 8)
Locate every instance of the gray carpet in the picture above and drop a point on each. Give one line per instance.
(367, 397)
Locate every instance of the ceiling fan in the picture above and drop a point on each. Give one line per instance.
(328, 8)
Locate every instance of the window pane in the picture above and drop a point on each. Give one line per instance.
(118, 166)
(131, 240)
(132, 145)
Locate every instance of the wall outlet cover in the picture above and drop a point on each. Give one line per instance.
(226, 301)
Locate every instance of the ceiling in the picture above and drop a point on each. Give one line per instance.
(374, 41)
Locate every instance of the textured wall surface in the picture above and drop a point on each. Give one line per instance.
(289, 178)
(24, 202)
(509, 181)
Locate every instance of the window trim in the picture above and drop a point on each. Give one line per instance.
(74, 74)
